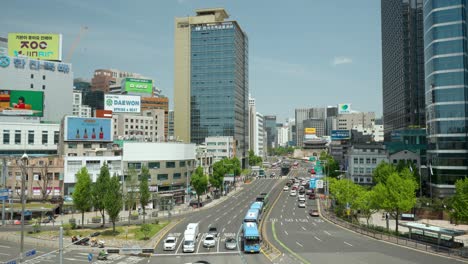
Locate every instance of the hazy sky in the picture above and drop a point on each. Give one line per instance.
(302, 53)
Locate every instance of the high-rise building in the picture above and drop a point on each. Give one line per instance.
(302, 114)
(270, 127)
(317, 123)
(446, 60)
(252, 123)
(211, 78)
(170, 123)
(402, 64)
(283, 135)
(259, 136)
(79, 109)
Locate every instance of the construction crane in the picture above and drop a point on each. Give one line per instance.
(83, 30)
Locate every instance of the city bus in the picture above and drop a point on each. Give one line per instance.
(257, 205)
(263, 197)
(251, 237)
(252, 215)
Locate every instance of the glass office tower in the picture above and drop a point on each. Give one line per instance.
(446, 84)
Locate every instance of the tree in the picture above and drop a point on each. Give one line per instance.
(331, 165)
(113, 200)
(145, 229)
(459, 201)
(366, 203)
(145, 194)
(396, 195)
(236, 166)
(199, 182)
(99, 190)
(344, 191)
(254, 160)
(131, 184)
(382, 172)
(219, 170)
(45, 181)
(82, 192)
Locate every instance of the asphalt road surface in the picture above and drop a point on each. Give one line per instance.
(227, 217)
(306, 239)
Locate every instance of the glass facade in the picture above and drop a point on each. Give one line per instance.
(446, 63)
(402, 65)
(219, 83)
(270, 127)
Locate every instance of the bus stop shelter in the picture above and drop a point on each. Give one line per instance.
(432, 231)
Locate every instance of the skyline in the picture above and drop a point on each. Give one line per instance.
(342, 66)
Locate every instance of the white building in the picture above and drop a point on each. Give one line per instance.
(376, 131)
(221, 147)
(252, 120)
(149, 126)
(78, 108)
(53, 79)
(362, 161)
(38, 138)
(259, 138)
(348, 121)
(283, 135)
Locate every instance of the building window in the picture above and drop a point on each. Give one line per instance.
(368, 170)
(361, 160)
(43, 77)
(32, 76)
(170, 164)
(355, 170)
(395, 161)
(72, 145)
(6, 137)
(45, 137)
(56, 137)
(355, 160)
(17, 136)
(177, 176)
(163, 177)
(32, 86)
(374, 161)
(367, 160)
(87, 145)
(154, 165)
(134, 165)
(43, 87)
(361, 179)
(31, 137)
(182, 164)
(361, 170)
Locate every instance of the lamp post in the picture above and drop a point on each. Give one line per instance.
(22, 162)
(4, 185)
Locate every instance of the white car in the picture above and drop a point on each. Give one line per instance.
(170, 243)
(301, 196)
(285, 188)
(293, 193)
(210, 241)
(301, 199)
(301, 205)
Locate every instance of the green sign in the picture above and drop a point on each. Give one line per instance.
(133, 85)
(311, 158)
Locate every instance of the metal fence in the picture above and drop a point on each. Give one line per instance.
(399, 240)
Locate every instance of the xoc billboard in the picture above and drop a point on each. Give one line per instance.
(133, 85)
(122, 103)
(88, 129)
(21, 103)
(36, 46)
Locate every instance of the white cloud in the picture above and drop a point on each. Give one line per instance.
(342, 60)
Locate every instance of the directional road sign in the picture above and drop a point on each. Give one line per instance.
(29, 253)
(3, 194)
(90, 257)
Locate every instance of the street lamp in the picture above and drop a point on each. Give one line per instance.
(23, 162)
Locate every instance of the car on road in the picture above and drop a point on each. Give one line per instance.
(230, 243)
(301, 199)
(301, 195)
(272, 175)
(309, 192)
(170, 243)
(312, 196)
(293, 193)
(285, 188)
(301, 204)
(314, 213)
(209, 241)
(213, 231)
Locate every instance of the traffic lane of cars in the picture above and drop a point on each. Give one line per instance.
(227, 217)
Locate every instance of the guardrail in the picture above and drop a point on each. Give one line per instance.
(399, 240)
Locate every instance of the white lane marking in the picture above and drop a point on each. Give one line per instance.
(208, 216)
(180, 244)
(299, 244)
(348, 244)
(73, 259)
(216, 220)
(4, 254)
(219, 239)
(223, 230)
(281, 223)
(2, 246)
(317, 238)
(286, 232)
(282, 210)
(314, 224)
(281, 216)
(303, 228)
(240, 211)
(294, 213)
(229, 222)
(199, 242)
(326, 232)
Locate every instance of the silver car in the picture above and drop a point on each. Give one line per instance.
(230, 243)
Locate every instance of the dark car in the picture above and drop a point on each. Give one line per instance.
(213, 231)
(314, 213)
(312, 196)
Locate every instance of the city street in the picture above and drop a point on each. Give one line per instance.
(309, 239)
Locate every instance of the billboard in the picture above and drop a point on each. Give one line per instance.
(122, 103)
(310, 130)
(88, 129)
(340, 134)
(36, 46)
(21, 103)
(133, 85)
(344, 108)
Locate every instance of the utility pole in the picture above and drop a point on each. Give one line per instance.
(23, 163)
(4, 185)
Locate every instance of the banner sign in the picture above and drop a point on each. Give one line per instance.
(88, 129)
(122, 103)
(36, 46)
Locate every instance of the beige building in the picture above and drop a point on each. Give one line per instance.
(182, 67)
(149, 126)
(348, 121)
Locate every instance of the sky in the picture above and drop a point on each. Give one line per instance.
(302, 53)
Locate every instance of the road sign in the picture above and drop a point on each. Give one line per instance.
(90, 257)
(29, 253)
(319, 184)
(312, 183)
(3, 194)
(13, 261)
(27, 213)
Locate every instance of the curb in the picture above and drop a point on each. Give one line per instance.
(157, 239)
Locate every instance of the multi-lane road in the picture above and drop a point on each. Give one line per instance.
(306, 239)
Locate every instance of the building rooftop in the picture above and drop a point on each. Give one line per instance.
(220, 12)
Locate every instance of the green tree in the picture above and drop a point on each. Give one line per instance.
(219, 170)
(131, 184)
(382, 172)
(459, 201)
(99, 190)
(113, 200)
(145, 229)
(145, 194)
(396, 195)
(82, 192)
(236, 167)
(199, 182)
(344, 192)
(331, 166)
(254, 160)
(366, 203)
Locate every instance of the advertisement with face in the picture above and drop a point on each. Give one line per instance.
(21, 103)
(88, 129)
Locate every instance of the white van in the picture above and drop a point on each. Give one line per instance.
(190, 237)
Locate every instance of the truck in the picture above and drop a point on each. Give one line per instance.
(190, 237)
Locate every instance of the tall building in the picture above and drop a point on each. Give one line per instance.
(79, 109)
(148, 103)
(402, 64)
(270, 127)
(211, 78)
(170, 124)
(252, 123)
(259, 136)
(317, 123)
(283, 135)
(302, 114)
(446, 60)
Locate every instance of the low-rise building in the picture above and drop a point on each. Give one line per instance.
(36, 138)
(149, 126)
(221, 147)
(78, 108)
(362, 159)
